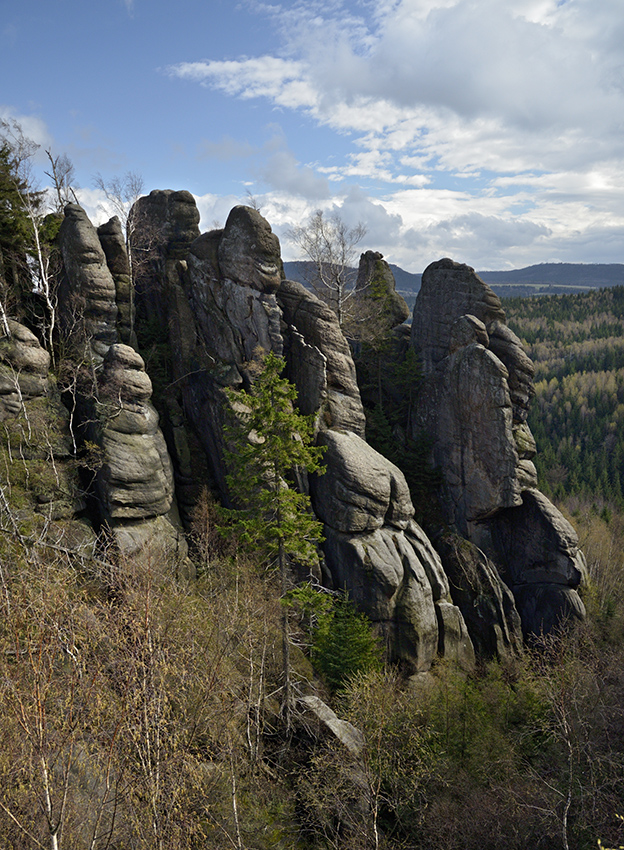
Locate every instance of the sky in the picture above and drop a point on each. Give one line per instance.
(489, 131)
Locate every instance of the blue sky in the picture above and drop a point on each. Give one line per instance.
(490, 131)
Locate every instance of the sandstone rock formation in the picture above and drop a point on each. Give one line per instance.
(319, 360)
(379, 555)
(136, 479)
(378, 307)
(223, 303)
(474, 404)
(212, 303)
(111, 392)
(135, 482)
(114, 246)
(320, 715)
(38, 469)
(88, 307)
(24, 368)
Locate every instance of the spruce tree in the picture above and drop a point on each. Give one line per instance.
(270, 442)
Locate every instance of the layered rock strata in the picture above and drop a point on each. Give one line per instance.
(110, 392)
(213, 304)
(474, 404)
(24, 368)
(114, 246)
(38, 469)
(87, 300)
(135, 482)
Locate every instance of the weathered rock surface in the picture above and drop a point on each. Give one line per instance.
(449, 290)
(234, 319)
(475, 445)
(114, 247)
(219, 302)
(324, 718)
(474, 404)
(378, 307)
(38, 467)
(361, 490)
(381, 557)
(487, 604)
(476, 394)
(165, 221)
(136, 479)
(223, 304)
(24, 368)
(539, 558)
(249, 251)
(319, 360)
(87, 298)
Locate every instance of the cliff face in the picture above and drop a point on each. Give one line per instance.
(206, 306)
(474, 405)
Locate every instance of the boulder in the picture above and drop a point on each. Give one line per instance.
(155, 544)
(345, 733)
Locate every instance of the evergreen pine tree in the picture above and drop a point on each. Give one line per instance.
(269, 442)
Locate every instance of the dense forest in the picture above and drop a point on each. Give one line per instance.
(577, 345)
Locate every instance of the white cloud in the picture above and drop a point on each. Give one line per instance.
(94, 203)
(265, 76)
(32, 127)
(214, 209)
(484, 126)
(282, 172)
(493, 71)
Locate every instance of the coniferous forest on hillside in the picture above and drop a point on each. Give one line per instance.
(577, 345)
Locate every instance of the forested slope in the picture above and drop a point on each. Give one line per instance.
(577, 345)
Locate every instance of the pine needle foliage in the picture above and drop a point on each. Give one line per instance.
(270, 443)
(344, 644)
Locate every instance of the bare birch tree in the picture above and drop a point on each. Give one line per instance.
(330, 247)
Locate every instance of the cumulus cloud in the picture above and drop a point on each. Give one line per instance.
(32, 127)
(282, 172)
(488, 125)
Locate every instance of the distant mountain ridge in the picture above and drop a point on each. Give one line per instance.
(539, 279)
